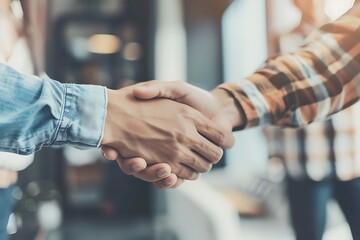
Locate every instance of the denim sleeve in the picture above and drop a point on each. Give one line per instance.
(40, 112)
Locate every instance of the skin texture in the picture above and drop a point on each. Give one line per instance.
(218, 105)
(161, 131)
(138, 168)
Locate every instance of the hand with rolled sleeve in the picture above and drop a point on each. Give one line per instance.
(218, 105)
(163, 131)
(36, 113)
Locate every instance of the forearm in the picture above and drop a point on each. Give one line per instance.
(310, 84)
(35, 113)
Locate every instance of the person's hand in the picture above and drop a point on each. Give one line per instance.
(217, 105)
(163, 131)
(159, 174)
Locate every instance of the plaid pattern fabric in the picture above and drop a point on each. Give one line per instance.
(307, 85)
(310, 84)
(321, 148)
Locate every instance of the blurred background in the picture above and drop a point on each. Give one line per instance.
(68, 194)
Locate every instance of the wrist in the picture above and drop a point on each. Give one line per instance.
(230, 108)
(118, 118)
(107, 134)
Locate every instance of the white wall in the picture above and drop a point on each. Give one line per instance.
(245, 48)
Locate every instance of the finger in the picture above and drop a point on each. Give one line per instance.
(212, 131)
(207, 150)
(163, 89)
(131, 166)
(178, 183)
(168, 182)
(185, 172)
(178, 91)
(171, 182)
(195, 161)
(155, 172)
(109, 153)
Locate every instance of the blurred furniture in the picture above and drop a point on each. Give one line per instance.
(198, 211)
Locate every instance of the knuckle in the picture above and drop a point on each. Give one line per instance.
(206, 168)
(180, 138)
(220, 138)
(195, 163)
(192, 160)
(174, 148)
(199, 165)
(218, 155)
(183, 137)
(214, 155)
(189, 175)
(203, 168)
(193, 175)
(177, 154)
(179, 171)
(186, 111)
(202, 145)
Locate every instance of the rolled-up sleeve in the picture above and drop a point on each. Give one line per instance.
(39, 112)
(300, 87)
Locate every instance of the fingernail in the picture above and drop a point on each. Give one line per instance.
(168, 182)
(162, 173)
(136, 168)
(103, 153)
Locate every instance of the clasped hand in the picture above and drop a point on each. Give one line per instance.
(168, 132)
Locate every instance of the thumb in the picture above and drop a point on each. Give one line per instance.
(181, 92)
(174, 90)
(109, 153)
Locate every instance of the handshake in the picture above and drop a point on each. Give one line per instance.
(168, 132)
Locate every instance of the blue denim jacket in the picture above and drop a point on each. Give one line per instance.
(36, 113)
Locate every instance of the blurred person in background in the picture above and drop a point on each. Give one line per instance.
(322, 161)
(14, 51)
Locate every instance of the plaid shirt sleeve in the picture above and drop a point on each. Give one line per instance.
(297, 88)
